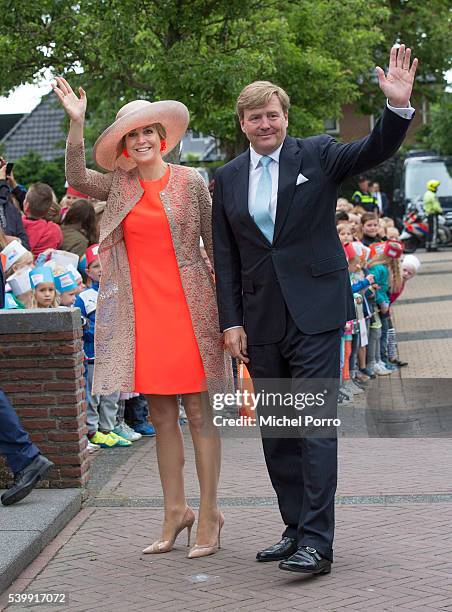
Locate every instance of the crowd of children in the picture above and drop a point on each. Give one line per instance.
(46, 276)
(378, 271)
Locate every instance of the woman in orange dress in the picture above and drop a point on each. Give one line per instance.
(156, 326)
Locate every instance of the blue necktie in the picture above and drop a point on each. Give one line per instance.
(261, 206)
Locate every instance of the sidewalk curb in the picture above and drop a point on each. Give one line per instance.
(28, 527)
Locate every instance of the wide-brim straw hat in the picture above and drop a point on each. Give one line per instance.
(173, 115)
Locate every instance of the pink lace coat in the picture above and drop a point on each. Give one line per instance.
(187, 205)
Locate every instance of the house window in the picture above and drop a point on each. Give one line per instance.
(331, 126)
(197, 135)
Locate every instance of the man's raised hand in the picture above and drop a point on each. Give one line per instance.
(397, 85)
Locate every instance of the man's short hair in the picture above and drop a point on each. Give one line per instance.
(258, 94)
(39, 198)
(363, 178)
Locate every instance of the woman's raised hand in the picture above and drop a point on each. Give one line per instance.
(74, 107)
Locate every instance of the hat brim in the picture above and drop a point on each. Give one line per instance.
(173, 115)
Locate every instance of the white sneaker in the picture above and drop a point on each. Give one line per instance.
(352, 388)
(131, 431)
(126, 432)
(381, 370)
(343, 399)
(346, 392)
(92, 448)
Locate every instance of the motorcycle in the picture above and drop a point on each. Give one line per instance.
(415, 229)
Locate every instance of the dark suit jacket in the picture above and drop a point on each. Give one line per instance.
(305, 268)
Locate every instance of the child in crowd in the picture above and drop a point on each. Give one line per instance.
(43, 286)
(355, 223)
(341, 217)
(78, 278)
(20, 286)
(54, 212)
(69, 198)
(343, 204)
(79, 227)
(17, 258)
(42, 234)
(345, 233)
(392, 233)
(410, 267)
(66, 286)
(359, 210)
(351, 340)
(369, 229)
(385, 267)
(102, 410)
(382, 229)
(361, 283)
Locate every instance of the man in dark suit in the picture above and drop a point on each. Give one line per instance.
(282, 282)
(381, 199)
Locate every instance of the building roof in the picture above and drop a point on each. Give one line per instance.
(40, 131)
(43, 131)
(8, 121)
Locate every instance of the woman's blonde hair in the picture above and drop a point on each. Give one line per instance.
(394, 268)
(258, 94)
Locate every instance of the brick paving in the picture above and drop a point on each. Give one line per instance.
(393, 547)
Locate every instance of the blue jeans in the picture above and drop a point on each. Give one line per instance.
(384, 337)
(15, 445)
(136, 411)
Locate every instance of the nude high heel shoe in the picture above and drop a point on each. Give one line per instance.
(163, 546)
(203, 550)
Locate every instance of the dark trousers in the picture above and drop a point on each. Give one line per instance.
(303, 470)
(432, 239)
(15, 445)
(136, 411)
(385, 325)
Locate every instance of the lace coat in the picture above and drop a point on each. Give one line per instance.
(186, 201)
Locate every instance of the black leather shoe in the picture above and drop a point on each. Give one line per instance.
(283, 549)
(26, 480)
(306, 561)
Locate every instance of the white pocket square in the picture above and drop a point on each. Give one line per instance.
(301, 178)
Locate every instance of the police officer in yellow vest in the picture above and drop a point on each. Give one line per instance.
(432, 208)
(362, 196)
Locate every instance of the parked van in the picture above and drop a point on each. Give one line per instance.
(418, 168)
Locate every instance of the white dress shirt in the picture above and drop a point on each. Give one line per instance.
(273, 166)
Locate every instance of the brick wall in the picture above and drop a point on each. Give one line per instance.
(41, 371)
(354, 125)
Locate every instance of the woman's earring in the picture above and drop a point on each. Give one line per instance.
(162, 145)
(125, 153)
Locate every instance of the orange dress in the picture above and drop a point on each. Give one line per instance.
(167, 357)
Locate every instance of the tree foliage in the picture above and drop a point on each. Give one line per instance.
(203, 52)
(436, 134)
(31, 168)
